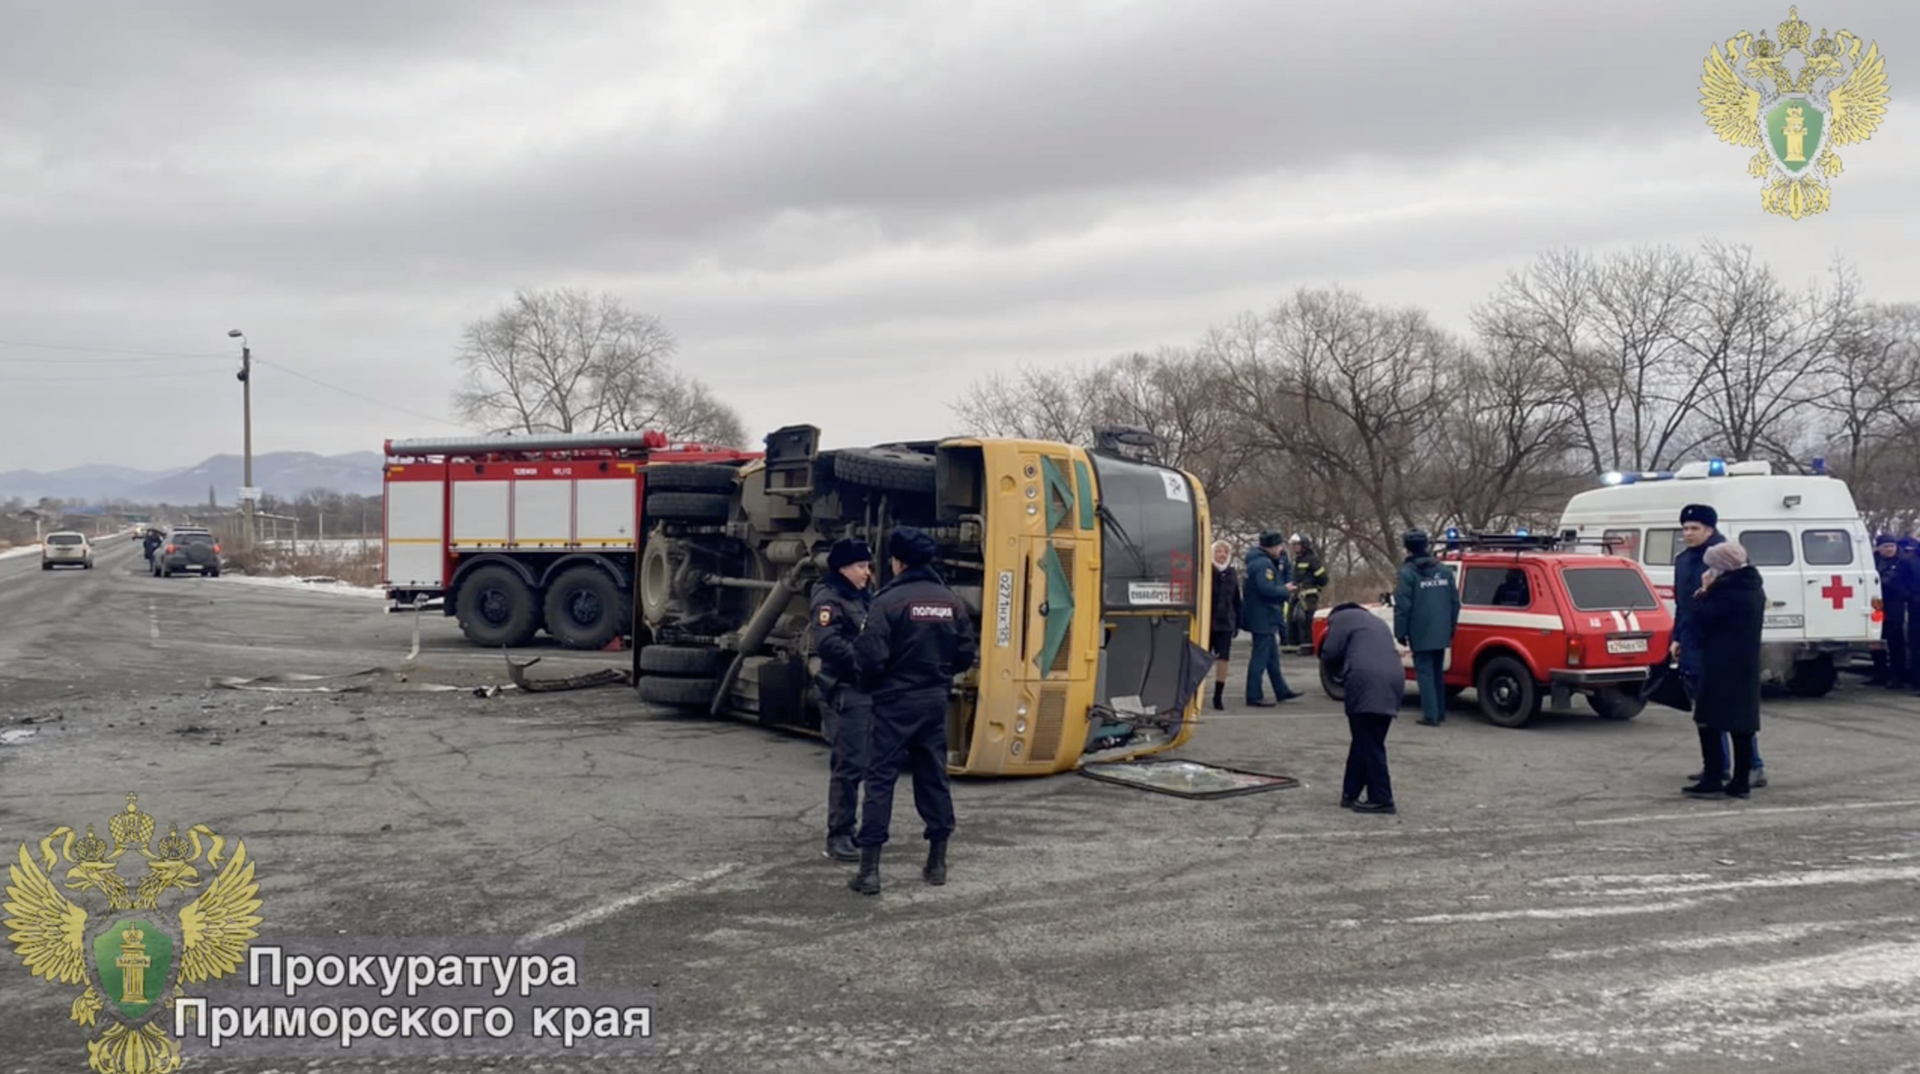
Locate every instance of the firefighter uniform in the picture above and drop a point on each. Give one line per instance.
(839, 609)
(917, 638)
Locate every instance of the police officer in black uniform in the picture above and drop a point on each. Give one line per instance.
(839, 605)
(918, 637)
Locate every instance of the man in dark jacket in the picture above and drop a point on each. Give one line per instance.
(1264, 611)
(1359, 648)
(1910, 555)
(152, 542)
(917, 638)
(1729, 615)
(1426, 611)
(1896, 594)
(839, 609)
(1698, 529)
(1226, 617)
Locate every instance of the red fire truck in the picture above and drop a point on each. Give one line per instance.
(515, 534)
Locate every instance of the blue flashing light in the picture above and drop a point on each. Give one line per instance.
(1521, 532)
(1819, 466)
(1717, 468)
(1453, 533)
(1612, 477)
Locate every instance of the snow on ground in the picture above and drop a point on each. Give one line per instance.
(308, 546)
(16, 553)
(312, 584)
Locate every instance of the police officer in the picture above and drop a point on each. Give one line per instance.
(1426, 611)
(152, 543)
(918, 637)
(1896, 592)
(839, 604)
(1264, 609)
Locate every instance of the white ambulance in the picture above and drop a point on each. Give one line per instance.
(1802, 531)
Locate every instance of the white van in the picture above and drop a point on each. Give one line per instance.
(1803, 532)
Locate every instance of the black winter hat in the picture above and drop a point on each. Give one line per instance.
(1272, 539)
(1415, 541)
(848, 551)
(1701, 513)
(912, 546)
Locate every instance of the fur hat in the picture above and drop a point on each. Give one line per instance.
(1272, 539)
(1701, 513)
(912, 546)
(848, 551)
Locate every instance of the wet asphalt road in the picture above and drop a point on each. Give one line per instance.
(1544, 902)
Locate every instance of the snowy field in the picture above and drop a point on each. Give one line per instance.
(23, 550)
(311, 584)
(330, 546)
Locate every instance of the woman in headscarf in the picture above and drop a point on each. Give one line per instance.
(1226, 617)
(1730, 611)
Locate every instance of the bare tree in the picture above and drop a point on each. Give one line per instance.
(1034, 404)
(1513, 441)
(1352, 394)
(1766, 355)
(566, 361)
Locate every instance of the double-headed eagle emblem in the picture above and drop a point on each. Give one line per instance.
(134, 957)
(1752, 99)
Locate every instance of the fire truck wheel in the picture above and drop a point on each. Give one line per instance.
(496, 608)
(585, 608)
(692, 477)
(690, 506)
(669, 692)
(887, 469)
(696, 661)
(1613, 703)
(1508, 695)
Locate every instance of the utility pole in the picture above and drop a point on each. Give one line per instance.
(246, 406)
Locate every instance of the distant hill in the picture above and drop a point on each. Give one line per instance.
(285, 474)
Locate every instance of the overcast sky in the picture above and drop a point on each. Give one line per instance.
(831, 204)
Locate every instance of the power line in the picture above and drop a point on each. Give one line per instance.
(284, 368)
(149, 354)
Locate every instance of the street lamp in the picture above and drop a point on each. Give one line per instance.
(245, 376)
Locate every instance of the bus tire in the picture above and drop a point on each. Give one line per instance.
(1331, 682)
(690, 506)
(684, 661)
(674, 693)
(497, 608)
(886, 469)
(585, 608)
(692, 477)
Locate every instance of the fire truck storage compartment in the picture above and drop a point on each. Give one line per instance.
(542, 513)
(604, 512)
(416, 515)
(480, 513)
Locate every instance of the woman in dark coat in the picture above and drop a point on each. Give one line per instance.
(1730, 610)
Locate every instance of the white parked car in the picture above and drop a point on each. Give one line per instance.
(66, 546)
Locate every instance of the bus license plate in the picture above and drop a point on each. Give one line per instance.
(1627, 645)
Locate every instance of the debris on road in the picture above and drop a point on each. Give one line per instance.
(603, 677)
(1186, 779)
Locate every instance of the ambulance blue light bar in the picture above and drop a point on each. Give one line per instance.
(1615, 477)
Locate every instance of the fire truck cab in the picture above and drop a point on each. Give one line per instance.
(517, 534)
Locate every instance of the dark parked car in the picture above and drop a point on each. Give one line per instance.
(187, 549)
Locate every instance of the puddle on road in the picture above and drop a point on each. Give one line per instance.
(16, 734)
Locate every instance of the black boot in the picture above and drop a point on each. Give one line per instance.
(1219, 703)
(841, 848)
(867, 880)
(936, 867)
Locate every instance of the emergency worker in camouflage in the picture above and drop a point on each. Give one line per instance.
(918, 636)
(1426, 611)
(839, 608)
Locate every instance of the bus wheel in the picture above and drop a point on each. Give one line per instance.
(496, 608)
(886, 469)
(1331, 682)
(1813, 678)
(585, 608)
(692, 477)
(1508, 696)
(668, 692)
(685, 661)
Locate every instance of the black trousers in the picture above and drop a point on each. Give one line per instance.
(848, 722)
(909, 735)
(1367, 759)
(1713, 762)
(1892, 661)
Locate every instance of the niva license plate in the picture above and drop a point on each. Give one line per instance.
(1627, 645)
